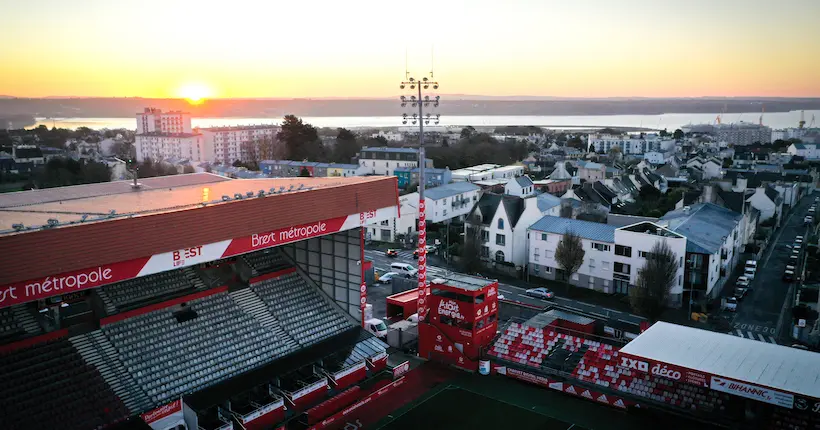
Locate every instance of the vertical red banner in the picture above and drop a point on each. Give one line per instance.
(363, 286)
(422, 269)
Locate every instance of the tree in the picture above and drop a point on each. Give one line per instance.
(727, 162)
(471, 253)
(650, 295)
(237, 163)
(649, 194)
(570, 254)
(678, 134)
(304, 173)
(188, 169)
(577, 143)
(664, 133)
(347, 146)
(566, 208)
(123, 150)
(615, 153)
(300, 139)
(467, 132)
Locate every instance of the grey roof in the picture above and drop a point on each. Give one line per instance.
(591, 165)
(547, 201)
(489, 202)
(621, 220)
(772, 194)
(449, 190)
(524, 181)
(390, 149)
(764, 364)
(544, 319)
(586, 229)
(704, 225)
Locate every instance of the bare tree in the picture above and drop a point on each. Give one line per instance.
(655, 279)
(570, 254)
(566, 208)
(471, 254)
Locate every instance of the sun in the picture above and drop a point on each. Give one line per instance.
(195, 93)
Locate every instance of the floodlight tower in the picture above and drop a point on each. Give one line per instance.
(422, 102)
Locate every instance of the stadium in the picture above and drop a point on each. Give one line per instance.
(200, 302)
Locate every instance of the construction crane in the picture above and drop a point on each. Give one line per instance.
(802, 120)
(762, 111)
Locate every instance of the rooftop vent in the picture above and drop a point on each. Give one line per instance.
(18, 227)
(249, 194)
(237, 196)
(226, 198)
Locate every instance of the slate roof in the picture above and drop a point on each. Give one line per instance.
(585, 229)
(773, 195)
(489, 202)
(666, 170)
(732, 200)
(524, 181)
(704, 225)
(547, 201)
(449, 190)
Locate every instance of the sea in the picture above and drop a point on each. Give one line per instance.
(669, 121)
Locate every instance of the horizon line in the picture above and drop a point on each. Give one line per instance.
(463, 96)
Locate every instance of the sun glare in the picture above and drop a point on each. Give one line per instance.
(195, 93)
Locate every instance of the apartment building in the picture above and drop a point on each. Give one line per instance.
(434, 177)
(742, 133)
(630, 145)
(714, 239)
(485, 172)
(164, 146)
(613, 256)
(227, 144)
(155, 121)
(385, 160)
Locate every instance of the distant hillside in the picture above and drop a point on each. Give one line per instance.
(454, 105)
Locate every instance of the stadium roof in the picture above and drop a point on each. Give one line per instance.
(746, 360)
(167, 214)
(586, 229)
(449, 190)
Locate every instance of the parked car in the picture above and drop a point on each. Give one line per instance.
(541, 293)
(387, 277)
(788, 275)
(730, 304)
(392, 253)
(743, 281)
(740, 292)
(404, 269)
(808, 219)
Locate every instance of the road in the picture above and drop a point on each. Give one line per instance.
(381, 263)
(759, 312)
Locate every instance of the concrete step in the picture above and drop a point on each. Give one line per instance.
(26, 320)
(250, 302)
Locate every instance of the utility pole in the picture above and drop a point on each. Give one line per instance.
(420, 101)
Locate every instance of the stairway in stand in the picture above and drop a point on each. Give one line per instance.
(97, 351)
(247, 299)
(194, 278)
(110, 309)
(26, 320)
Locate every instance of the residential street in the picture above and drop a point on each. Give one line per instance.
(382, 263)
(759, 313)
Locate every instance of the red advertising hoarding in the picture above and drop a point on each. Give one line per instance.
(564, 387)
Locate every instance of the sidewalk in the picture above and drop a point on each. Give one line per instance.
(617, 302)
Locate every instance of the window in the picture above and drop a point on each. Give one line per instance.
(600, 246)
(485, 252)
(500, 224)
(385, 234)
(605, 265)
(548, 253)
(485, 236)
(499, 256)
(544, 237)
(547, 269)
(500, 239)
(622, 268)
(535, 254)
(385, 222)
(623, 251)
(591, 263)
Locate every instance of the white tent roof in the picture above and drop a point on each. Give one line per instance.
(745, 360)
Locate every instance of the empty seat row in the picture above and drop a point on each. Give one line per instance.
(49, 386)
(147, 288)
(300, 309)
(169, 358)
(265, 261)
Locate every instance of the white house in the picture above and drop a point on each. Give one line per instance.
(613, 255)
(450, 202)
(714, 237)
(503, 221)
(485, 172)
(521, 186)
(768, 201)
(654, 157)
(591, 172)
(406, 223)
(809, 151)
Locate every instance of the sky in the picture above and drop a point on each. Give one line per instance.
(361, 48)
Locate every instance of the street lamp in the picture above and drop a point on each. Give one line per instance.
(422, 102)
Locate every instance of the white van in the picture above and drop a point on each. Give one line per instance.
(403, 269)
(377, 327)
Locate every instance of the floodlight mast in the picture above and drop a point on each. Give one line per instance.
(421, 102)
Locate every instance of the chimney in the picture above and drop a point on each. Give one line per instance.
(742, 183)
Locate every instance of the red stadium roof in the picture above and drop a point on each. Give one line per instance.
(173, 214)
(730, 358)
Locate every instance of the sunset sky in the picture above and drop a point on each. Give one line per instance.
(313, 48)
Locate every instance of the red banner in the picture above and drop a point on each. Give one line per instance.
(328, 422)
(664, 370)
(401, 369)
(565, 387)
(162, 412)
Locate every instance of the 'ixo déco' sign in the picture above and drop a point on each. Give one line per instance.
(657, 369)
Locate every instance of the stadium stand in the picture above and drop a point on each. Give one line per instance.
(265, 261)
(139, 292)
(301, 310)
(16, 322)
(62, 391)
(169, 354)
(597, 363)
